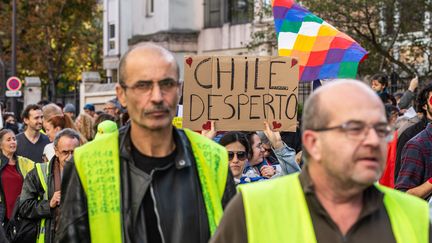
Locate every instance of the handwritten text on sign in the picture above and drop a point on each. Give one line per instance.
(240, 93)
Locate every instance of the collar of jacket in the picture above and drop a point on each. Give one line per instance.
(184, 150)
(5, 160)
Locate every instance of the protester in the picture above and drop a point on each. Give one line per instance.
(277, 152)
(31, 142)
(154, 165)
(113, 108)
(106, 127)
(13, 169)
(10, 122)
(415, 175)
(335, 198)
(424, 106)
(102, 117)
(238, 149)
(84, 125)
(408, 96)
(47, 182)
(387, 178)
(257, 166)
(379, 83)
(89, 109)
(57, 123)
(49, 111)
(70, 111)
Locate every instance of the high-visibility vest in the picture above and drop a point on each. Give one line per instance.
(98, 167)
(25, 165)
(276, 211)
(42, 170)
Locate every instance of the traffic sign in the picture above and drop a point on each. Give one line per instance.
(13, 84)
(13, 93)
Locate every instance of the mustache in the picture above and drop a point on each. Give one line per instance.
(157, 108)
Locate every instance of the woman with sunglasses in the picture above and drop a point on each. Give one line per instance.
(238, 152)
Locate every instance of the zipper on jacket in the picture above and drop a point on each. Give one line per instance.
(157, 214)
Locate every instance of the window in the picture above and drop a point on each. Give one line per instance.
(111, 36)
(150, 8)
(213, 13)
(217, 12)
(241, 11)
(112, 31)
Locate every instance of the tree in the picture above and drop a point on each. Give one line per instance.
(395, 32)
(57, 40)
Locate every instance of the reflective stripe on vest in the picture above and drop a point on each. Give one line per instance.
(98, 167)
(42, 171)
(409, 216)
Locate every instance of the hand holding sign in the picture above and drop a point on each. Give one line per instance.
(210, 133)
(274, 137)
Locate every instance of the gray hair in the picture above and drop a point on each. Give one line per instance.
(67, 132)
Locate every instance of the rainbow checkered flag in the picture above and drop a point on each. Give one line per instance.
(323, 51)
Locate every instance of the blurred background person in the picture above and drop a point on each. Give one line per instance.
(10, 122)
(238, 149)
(84, 125)
(13, 169)
(89, 109)
(70, 111)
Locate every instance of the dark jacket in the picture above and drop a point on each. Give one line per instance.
(33, 208)
(4, 162)
(409, 133)
(176, 194)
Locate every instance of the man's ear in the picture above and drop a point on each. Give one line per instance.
(312, 144)
(121, 94)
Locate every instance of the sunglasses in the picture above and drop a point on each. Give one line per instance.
(241, 155)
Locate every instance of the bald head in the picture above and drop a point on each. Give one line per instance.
(334, 97)
(147, 50)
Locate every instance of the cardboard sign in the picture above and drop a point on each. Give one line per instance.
(239, 93)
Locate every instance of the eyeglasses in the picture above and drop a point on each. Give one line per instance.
(358, 130)
(145, 86)
(66, 152)
(241, 155)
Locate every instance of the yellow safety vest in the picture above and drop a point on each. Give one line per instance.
(98, 167)
(291, 222)
(25, 165)
(42, 170)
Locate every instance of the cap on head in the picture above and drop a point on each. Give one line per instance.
(69, 108)
(89, 107)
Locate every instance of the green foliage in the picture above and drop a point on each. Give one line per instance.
(57, 40)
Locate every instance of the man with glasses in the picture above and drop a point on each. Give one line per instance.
(40, 195)
(147, 182)
(335, 198)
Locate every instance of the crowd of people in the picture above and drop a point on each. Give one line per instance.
(126, 174)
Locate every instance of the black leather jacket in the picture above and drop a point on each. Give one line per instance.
(175, 190)
(32, 207)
